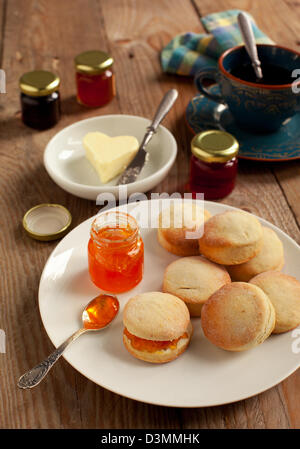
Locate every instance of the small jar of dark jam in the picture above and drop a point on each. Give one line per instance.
(40, 100)
(95, 80)
(213, 164)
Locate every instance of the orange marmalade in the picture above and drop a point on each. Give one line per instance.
(100, 312)
(115, 252)
(141, 344)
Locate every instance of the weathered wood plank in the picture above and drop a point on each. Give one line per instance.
(2, 27)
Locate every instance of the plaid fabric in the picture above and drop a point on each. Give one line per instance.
(187, 53)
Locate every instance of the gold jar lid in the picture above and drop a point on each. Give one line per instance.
(39, 83)
(93, 62)
(214, 146)
(47, 221)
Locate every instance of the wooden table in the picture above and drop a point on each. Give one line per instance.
(47, 34)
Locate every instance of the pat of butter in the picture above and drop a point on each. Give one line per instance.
(109, 155)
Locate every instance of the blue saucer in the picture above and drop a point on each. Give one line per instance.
(282, 145)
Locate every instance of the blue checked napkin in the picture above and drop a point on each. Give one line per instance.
(187, 53)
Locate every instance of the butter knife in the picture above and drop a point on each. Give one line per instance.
(138, 162)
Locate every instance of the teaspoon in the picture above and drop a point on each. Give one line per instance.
(246, 30)
(97, 315)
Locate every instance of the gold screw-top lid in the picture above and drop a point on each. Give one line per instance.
(93, 62)
(47, 221)
(39, 83)
(214, 146)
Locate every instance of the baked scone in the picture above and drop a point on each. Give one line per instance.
(237, 317)
(157, 327)
(231, 238)
(270, 257)
(194, 279)
(284, 293)
(176, 223)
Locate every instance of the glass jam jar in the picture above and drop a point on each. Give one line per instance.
(94, 78)
(40, 100)
(213, 164)
(115, 252)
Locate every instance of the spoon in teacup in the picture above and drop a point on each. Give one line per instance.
(97, 315)
(246, 30)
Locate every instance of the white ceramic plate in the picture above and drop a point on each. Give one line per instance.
(203, 376)
(66, 164)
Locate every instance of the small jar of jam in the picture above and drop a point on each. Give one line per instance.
(40, 100)
(115, 252)
(94, 78)
(213, 164)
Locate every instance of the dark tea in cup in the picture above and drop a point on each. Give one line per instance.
(272, 74)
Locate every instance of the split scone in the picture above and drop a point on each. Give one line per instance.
(176, 226)
(237, 317)
(194, 279)
(157, 327)
(270, 257)
(284, 293)
(231, 238)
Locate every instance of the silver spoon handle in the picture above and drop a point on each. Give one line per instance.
(34, 376)
(249, 40)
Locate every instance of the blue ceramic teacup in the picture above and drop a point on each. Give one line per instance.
(258, 107)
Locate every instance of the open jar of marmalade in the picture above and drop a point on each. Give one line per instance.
(115, 252)
(95, 79)
(213, 164)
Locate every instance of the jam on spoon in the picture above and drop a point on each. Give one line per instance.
(97, 315)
